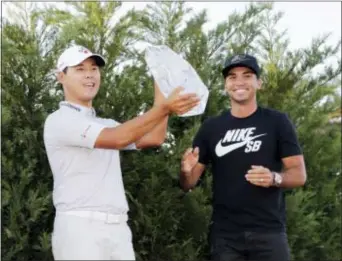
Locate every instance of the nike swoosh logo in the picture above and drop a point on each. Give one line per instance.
(223, 150)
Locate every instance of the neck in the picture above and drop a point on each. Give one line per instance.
(87, 104)
(243, 110)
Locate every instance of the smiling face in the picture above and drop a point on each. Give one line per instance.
(81, 82)
(241, 84)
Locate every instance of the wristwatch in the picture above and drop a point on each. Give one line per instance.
(277, 179)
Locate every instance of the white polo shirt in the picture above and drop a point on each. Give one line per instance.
(85, 178)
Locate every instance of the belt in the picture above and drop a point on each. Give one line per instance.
(102, 216)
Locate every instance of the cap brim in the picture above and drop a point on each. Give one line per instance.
(227, 69)
(100, 61)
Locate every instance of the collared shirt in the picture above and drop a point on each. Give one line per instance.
(85, 178)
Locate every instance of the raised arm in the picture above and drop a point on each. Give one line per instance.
(133, 130)
(71, 129)
(157, 135)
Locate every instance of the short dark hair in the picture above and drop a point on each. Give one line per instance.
(65, 70)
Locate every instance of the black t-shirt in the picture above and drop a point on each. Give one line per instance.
(232, 145)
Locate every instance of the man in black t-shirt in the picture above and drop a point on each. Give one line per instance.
(254, 154)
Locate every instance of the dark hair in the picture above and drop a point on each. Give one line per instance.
(65, 70)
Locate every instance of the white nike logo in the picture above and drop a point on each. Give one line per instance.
(223, 150)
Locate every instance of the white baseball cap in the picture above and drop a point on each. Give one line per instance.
(75, 55)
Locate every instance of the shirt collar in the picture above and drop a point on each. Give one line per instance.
(79, 108)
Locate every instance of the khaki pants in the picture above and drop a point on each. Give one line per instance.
(85, 235)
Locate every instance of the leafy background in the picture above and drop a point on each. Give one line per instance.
(166, 224)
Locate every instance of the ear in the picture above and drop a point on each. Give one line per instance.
(60, 77)
(259, 84)
(225, 81)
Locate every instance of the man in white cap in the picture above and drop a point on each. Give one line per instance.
(83, 152)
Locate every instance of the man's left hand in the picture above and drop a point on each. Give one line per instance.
(260, 176)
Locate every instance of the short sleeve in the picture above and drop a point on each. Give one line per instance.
(201, 142)
(71, 130)
(288, 144)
